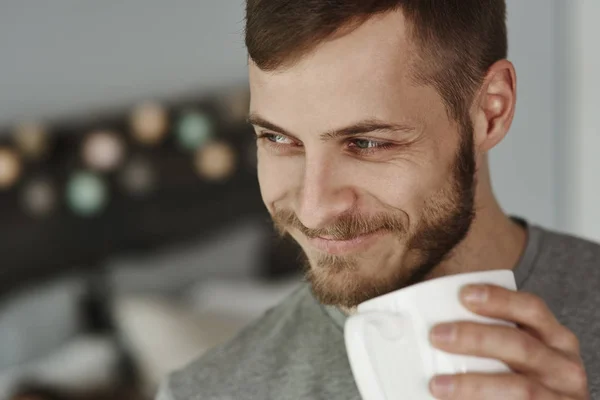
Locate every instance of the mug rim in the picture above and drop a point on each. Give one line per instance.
(406, 291)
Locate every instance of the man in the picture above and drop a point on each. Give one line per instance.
(374, 120)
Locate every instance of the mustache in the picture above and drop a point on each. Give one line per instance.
(345, 227)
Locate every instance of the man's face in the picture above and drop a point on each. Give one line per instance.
(363, 168)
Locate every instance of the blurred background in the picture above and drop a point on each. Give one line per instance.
(132, 234)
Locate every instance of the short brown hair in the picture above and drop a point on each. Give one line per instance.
(458, 40)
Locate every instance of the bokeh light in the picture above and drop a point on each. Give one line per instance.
(138, 176)
(39, 197)
(215, 161)
(194, 130)
(149, 123)
(87, 193)
(10, 167)
(32, 140)
(103, 151)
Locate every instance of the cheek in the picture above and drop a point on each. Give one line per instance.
(406, 186)
(278, 178)
(402, 189)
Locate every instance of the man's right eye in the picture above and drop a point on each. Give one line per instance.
(275, 138)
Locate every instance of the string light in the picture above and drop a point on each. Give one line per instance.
(103, 151)
(194, 130)
(138, 176)
(87, 193)
(215, 161)
(32, 140)
(149, 123)
(39, 197)
(10, 167)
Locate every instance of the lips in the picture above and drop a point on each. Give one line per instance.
(340, 247)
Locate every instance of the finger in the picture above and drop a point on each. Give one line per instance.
(519, 350)
(525, 309)
(490, 387)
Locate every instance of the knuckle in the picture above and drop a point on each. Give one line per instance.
(571, 341)
(578, 376)
(537, 308)
(566, 341)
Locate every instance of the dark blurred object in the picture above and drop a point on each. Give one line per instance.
(170, 188)
(63, 333)
(42, 392)
(189, 194)
(79, 195)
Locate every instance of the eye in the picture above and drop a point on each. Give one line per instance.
(367, 146)
(277, 143)
(276, 138)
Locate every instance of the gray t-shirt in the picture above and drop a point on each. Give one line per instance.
(296, 350)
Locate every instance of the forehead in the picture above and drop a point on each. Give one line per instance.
(362, 74)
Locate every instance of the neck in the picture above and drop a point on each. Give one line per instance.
(494, 241)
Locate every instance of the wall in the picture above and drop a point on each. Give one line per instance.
(524, 164)
(581, 131)
(66, 55)
(62, 56)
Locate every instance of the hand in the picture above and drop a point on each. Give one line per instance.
(543, 354)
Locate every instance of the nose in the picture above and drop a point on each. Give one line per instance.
(325, 193)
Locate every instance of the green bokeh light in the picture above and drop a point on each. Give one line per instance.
(194, 130)
(87, 194)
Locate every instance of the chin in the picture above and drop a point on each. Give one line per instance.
(349, 281)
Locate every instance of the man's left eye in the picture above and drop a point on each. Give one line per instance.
(366, 144)
(367, 147)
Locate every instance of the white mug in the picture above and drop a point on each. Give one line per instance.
(387, 340)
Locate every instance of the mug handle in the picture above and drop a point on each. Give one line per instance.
(385, 353)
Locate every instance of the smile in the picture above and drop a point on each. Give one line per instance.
(340, 247)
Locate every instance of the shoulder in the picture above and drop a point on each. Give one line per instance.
(577, 259)
(565, 269)
(575, 265)
(567, 275)
(573, 245)
(246, 366)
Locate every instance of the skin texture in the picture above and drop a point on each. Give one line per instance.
(375, 210)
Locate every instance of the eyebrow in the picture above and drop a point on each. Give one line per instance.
(362, 127)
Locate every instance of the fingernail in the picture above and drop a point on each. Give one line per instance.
(475, 294)
(444, 333)
(442, 386)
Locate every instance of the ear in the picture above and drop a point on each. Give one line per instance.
(494, 108)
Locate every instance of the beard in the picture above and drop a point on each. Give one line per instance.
(446, 219)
